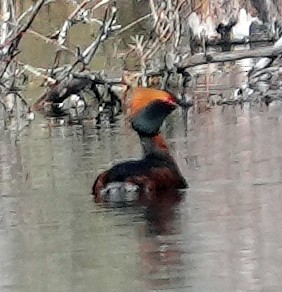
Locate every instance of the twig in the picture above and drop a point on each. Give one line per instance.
(177, 31)
(23, 15)
(153, 9)
(100, 4)
(69, 22)
(90, 51)
(78, 9)
(36, 72)
(130, 25)
(62, 36)
(14, 41)
(50, 41)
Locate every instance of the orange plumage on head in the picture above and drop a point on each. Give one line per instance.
(142, 96)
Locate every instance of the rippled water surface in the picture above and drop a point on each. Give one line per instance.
(225, 235)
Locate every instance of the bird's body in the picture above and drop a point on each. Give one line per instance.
(155, 172)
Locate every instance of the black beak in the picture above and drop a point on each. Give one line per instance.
(184, 104)
(180, 102)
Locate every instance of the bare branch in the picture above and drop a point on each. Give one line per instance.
(130, 25)
(29, 10)
(106, 29)
(78, 15)
(36, 72)
(11, 44)
(70, 22)
(100, 4)
(153, 9)
(50, 41)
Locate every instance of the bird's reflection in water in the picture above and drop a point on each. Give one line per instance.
(160, 237)
(160, 249)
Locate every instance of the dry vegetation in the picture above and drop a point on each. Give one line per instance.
(164, 55)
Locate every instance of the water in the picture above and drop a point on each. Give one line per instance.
(224, 236)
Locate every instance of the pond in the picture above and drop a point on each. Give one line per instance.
(225, 235)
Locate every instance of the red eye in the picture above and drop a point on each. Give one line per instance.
(171, 100)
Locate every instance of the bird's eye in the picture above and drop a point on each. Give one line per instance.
(170, 100)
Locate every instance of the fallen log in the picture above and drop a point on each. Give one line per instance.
(235, 42)
(216, 57)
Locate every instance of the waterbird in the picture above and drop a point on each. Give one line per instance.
(157, 170)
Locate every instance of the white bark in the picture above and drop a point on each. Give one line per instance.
(7, 19)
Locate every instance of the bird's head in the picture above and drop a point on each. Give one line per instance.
(149, 108)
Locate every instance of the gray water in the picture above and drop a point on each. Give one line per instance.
(225, 235)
